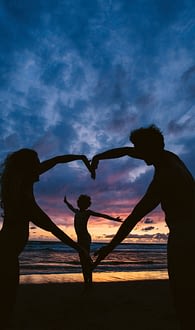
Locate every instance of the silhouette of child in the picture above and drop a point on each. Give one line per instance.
(21, 170)
(81, 218)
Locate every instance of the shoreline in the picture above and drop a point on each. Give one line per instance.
(136, 305)
(97, 277)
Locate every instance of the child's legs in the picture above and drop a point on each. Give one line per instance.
(86, 266)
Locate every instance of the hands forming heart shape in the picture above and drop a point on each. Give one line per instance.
(172, 186)
(91, 165)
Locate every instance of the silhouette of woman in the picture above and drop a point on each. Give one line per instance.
(21, 170)
(82, 215)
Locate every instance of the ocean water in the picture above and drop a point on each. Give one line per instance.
(41, 259)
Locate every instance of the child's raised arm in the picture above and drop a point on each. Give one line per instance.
(69, 205)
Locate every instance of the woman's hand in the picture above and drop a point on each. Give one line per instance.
(94, 166)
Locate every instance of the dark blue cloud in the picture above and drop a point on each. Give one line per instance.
(77, 77)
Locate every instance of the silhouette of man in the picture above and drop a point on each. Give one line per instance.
(173, 187)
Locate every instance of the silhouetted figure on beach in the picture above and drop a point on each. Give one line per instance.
(82, 215)
(21, 170)
(173, 187)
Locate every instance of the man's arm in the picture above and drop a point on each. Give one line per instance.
(105, 216)
(149, 202)
(48, 164)
(111, 154)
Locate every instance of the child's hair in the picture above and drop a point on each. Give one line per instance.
(84, 201)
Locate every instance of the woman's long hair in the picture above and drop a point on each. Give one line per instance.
(17, 167)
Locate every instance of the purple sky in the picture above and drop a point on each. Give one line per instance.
(78, 76)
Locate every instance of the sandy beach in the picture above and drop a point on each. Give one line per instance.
(134, 305)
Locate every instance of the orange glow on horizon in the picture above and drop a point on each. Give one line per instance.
(103, 230)
(151, 228)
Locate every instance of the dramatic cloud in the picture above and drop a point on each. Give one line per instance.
(77, 77)
(148, 228)
(148, 221)
(158, 237)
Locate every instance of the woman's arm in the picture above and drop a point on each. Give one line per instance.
(111, 154)
(105, 216)
(69, 205)
(48, 164)
(41, 219)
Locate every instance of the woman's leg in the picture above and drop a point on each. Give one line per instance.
(9, 281)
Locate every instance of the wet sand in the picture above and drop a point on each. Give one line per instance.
(135, 305)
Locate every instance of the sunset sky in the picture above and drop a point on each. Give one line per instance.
(77, 77)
